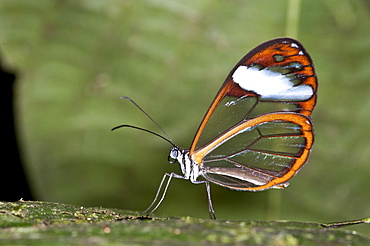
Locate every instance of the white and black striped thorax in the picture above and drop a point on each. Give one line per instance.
(189, 168)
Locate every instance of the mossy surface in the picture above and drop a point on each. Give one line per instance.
(46, 223)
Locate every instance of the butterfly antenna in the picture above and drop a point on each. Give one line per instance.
(145, 130)
(167, 138)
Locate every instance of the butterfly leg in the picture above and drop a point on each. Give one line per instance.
(211, 211)
(170, 176)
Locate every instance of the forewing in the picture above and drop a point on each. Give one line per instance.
(276, 76)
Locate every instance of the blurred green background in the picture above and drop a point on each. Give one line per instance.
(75, 59)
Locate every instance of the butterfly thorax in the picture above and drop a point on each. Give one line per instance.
(189, 168)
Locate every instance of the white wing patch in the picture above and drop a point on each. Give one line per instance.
(269, 84)
(294, 45)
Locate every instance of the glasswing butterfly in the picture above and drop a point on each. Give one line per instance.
(257, 133)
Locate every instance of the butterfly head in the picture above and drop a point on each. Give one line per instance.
(188, 167)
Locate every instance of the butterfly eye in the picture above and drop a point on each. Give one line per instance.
(174, 153)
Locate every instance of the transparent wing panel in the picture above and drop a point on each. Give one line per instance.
(257, 155)
(227, 114)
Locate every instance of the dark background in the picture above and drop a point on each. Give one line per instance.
(14, 181)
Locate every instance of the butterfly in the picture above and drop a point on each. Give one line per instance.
(257, 133)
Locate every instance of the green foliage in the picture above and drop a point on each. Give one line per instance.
(74, 60)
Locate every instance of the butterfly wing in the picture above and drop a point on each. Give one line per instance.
(257, 132)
